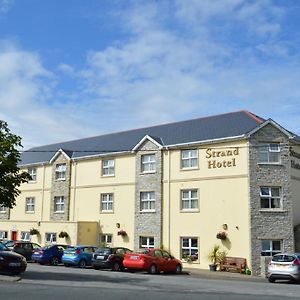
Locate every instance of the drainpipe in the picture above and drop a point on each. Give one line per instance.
(169, 199)
(74, 192)
(43, 194)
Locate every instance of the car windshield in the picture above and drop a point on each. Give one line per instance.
(3, 248)
(104, 250)
(283, 258)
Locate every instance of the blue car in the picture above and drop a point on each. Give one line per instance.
(80, 256)
(49, 255)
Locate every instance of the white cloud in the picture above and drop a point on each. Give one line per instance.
(5, 6)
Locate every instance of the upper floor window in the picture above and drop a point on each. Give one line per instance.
(189, 248)
(189, 159)
(189, 199)
(147, 201)
(270, 197)
(3, 209)
(270, 247)
(106, 202)
(60, 171)
(50, 237)
(32, 173)
(108, 167)
(25, 236)
(3, 235)
(269, 153)
(30, 205)
(146, 242)
(59, 204)
(148, 163)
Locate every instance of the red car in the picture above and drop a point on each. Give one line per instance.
(152, 260)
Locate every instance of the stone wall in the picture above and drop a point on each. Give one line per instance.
(269, 224)
(148, 223)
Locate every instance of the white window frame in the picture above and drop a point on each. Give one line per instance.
(107, 202)
(32, 172)
(59, 204)
(270, 251)
(190, 250)
(147, 201)
(25, 236)
(60, 172)
(189, 199)
(148, 163)
(146, 242)
(3, 234)
(271, 197)
(108, 167)
(189, 159)
(106, 238)
(3, 209)
(30, 205)
(268, 150)
(50, 237)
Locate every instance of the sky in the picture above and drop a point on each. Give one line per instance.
(75, 68)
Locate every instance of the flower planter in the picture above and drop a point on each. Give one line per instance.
(221, 236)
(122, 233)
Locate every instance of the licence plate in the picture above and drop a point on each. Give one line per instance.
(100, 257)
(17, 264)
(135, 257)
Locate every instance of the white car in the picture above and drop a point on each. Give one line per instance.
(284, 266)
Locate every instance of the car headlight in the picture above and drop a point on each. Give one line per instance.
(1, 257)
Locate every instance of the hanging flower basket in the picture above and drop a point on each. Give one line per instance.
(33, 231)
(63, 234)
(221, 235)
(122, 232)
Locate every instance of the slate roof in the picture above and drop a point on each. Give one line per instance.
(195, 130)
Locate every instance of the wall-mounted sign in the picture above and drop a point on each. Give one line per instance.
(221, 158)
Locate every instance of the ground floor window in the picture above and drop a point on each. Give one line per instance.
(270, 247)
(3, 235)
(50, 237)
(146, 242)
(25, 236)
(189, 248)
(105, 239)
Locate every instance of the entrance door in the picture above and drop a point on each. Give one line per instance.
(14, 235)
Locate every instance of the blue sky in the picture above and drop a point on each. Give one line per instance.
(74, 68)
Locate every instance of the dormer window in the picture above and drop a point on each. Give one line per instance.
(148, 163)
(60, 171)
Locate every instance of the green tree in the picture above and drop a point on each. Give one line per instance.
(10, 175)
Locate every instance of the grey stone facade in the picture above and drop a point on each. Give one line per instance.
(148, 223)
(270, 224)
(60, 188)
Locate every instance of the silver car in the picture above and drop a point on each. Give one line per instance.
(284, 266)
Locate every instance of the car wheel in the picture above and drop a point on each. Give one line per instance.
(66, 265)
(54, 261)
(153, 269)
(178, 269)
(82, 264)
(116, 266)
(271, 279)
(96, 267)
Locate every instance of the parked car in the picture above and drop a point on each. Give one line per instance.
(22, 247)
(284, 266)
(10, 262)
(152, 260)
(80, 256)
(110, 258)
(51, 254)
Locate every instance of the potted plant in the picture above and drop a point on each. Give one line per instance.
(63, 234)
(122, 232)
(33, 231)
(221, 235)
(215, 256)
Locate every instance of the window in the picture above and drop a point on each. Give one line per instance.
(30, 205)
(106, 202)
(3, 235)
(146, 242)
(189, 199)
(189, 248)
(2, 209)
(60, 171)
(270, 197)
(147, 201)
(59, 204)
(269, 153)
(270, 248)
(189, 159)
(25, 236)
(50, 237)
(32, 173)
(148, 163)
(106, 239)
(108, 167)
